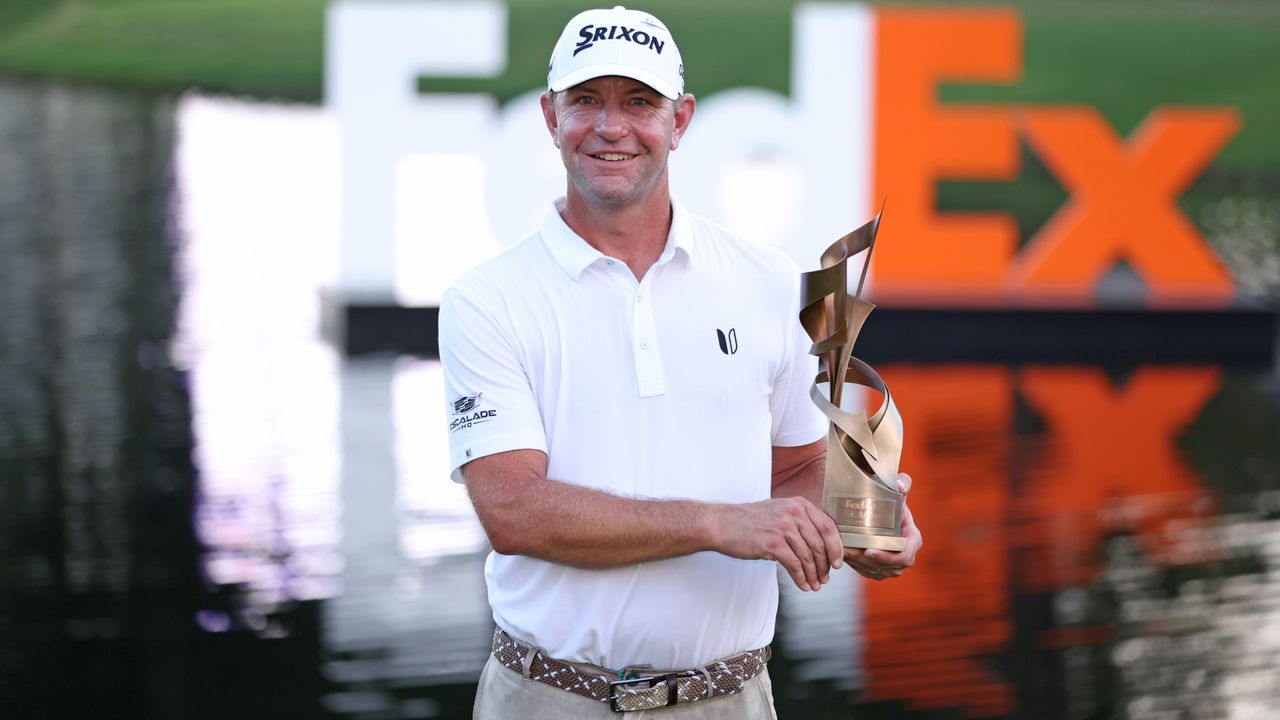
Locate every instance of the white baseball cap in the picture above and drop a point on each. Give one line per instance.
(622, 42)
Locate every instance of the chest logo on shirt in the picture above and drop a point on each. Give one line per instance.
(467, 414)
(728, 341)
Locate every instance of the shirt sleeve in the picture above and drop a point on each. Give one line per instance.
(796, 420)
(490, 406)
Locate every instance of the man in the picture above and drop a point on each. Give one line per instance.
(629, 410)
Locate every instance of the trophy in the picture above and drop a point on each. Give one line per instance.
(860, 490)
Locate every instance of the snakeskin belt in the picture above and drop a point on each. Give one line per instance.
(630, 691)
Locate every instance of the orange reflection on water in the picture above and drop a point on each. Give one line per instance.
(926, 632)
(1008, 512)
(1108, 462)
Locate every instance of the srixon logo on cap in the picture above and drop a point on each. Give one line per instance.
(591, 35)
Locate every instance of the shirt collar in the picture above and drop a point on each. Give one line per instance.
(575, 255)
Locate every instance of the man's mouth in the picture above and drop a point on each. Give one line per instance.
(612, 157)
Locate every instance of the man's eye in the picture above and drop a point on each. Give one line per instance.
(585, 100)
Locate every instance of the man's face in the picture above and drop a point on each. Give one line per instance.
(614, 134)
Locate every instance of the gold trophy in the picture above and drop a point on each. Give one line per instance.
(860, 490)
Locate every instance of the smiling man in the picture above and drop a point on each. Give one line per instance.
(628, 403)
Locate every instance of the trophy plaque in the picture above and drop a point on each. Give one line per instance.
(860, 490)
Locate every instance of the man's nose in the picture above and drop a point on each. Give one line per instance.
(610, 122)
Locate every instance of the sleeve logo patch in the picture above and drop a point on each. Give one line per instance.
(467, 414)
(466, 403)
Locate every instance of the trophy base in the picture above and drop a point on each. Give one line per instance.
(873, 542)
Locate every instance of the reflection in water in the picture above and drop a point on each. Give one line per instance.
(1101, 542)
(436, 519)
(1077, 563)
(257, 249)
(413, 619)
(933, 636)
(96, 555)
(1201, 640)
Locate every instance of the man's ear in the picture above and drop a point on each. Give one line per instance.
(547, 100)
(684, 116)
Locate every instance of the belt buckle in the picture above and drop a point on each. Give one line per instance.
(673, 688)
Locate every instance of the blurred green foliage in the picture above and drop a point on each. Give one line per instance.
(1124, 57)
(268, 48)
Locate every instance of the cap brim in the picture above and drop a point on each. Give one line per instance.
(583, 74)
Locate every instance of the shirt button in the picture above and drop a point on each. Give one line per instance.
(609, 263)
(639, 298)
(644, 344)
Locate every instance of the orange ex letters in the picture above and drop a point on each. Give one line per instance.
(1123, 194)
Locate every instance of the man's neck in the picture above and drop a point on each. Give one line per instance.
(635, 234)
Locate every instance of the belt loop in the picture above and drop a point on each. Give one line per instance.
(710, 685)
(527, 661)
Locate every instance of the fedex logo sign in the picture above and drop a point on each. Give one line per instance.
(1123, 192)
(434, 183)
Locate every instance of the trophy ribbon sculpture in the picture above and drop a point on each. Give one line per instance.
(860, 490)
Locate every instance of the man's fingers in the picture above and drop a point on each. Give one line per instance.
(907, 557)
(854, 557)
(904, 483)
(806, 542)
(871, 570)
(915, 540)
(909, 522)
(888, 559)
(817, 549)
(857, 559)
(874, 564)
(785, 556)
(877, 571)
(797, 575)
(805, 554)
(832, 546)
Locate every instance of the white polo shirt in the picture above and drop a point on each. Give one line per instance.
(674, 386)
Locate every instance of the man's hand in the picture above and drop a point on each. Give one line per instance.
(524, 513)
(884, 564)
(792, 531)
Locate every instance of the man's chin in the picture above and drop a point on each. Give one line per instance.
(612, 196)
(615, 194)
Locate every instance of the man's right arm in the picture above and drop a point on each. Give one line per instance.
(525, 513)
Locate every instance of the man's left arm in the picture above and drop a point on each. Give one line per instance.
(798, 472)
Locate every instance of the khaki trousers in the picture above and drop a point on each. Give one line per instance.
(504, 694)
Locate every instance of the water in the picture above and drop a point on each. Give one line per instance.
(207, 512)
